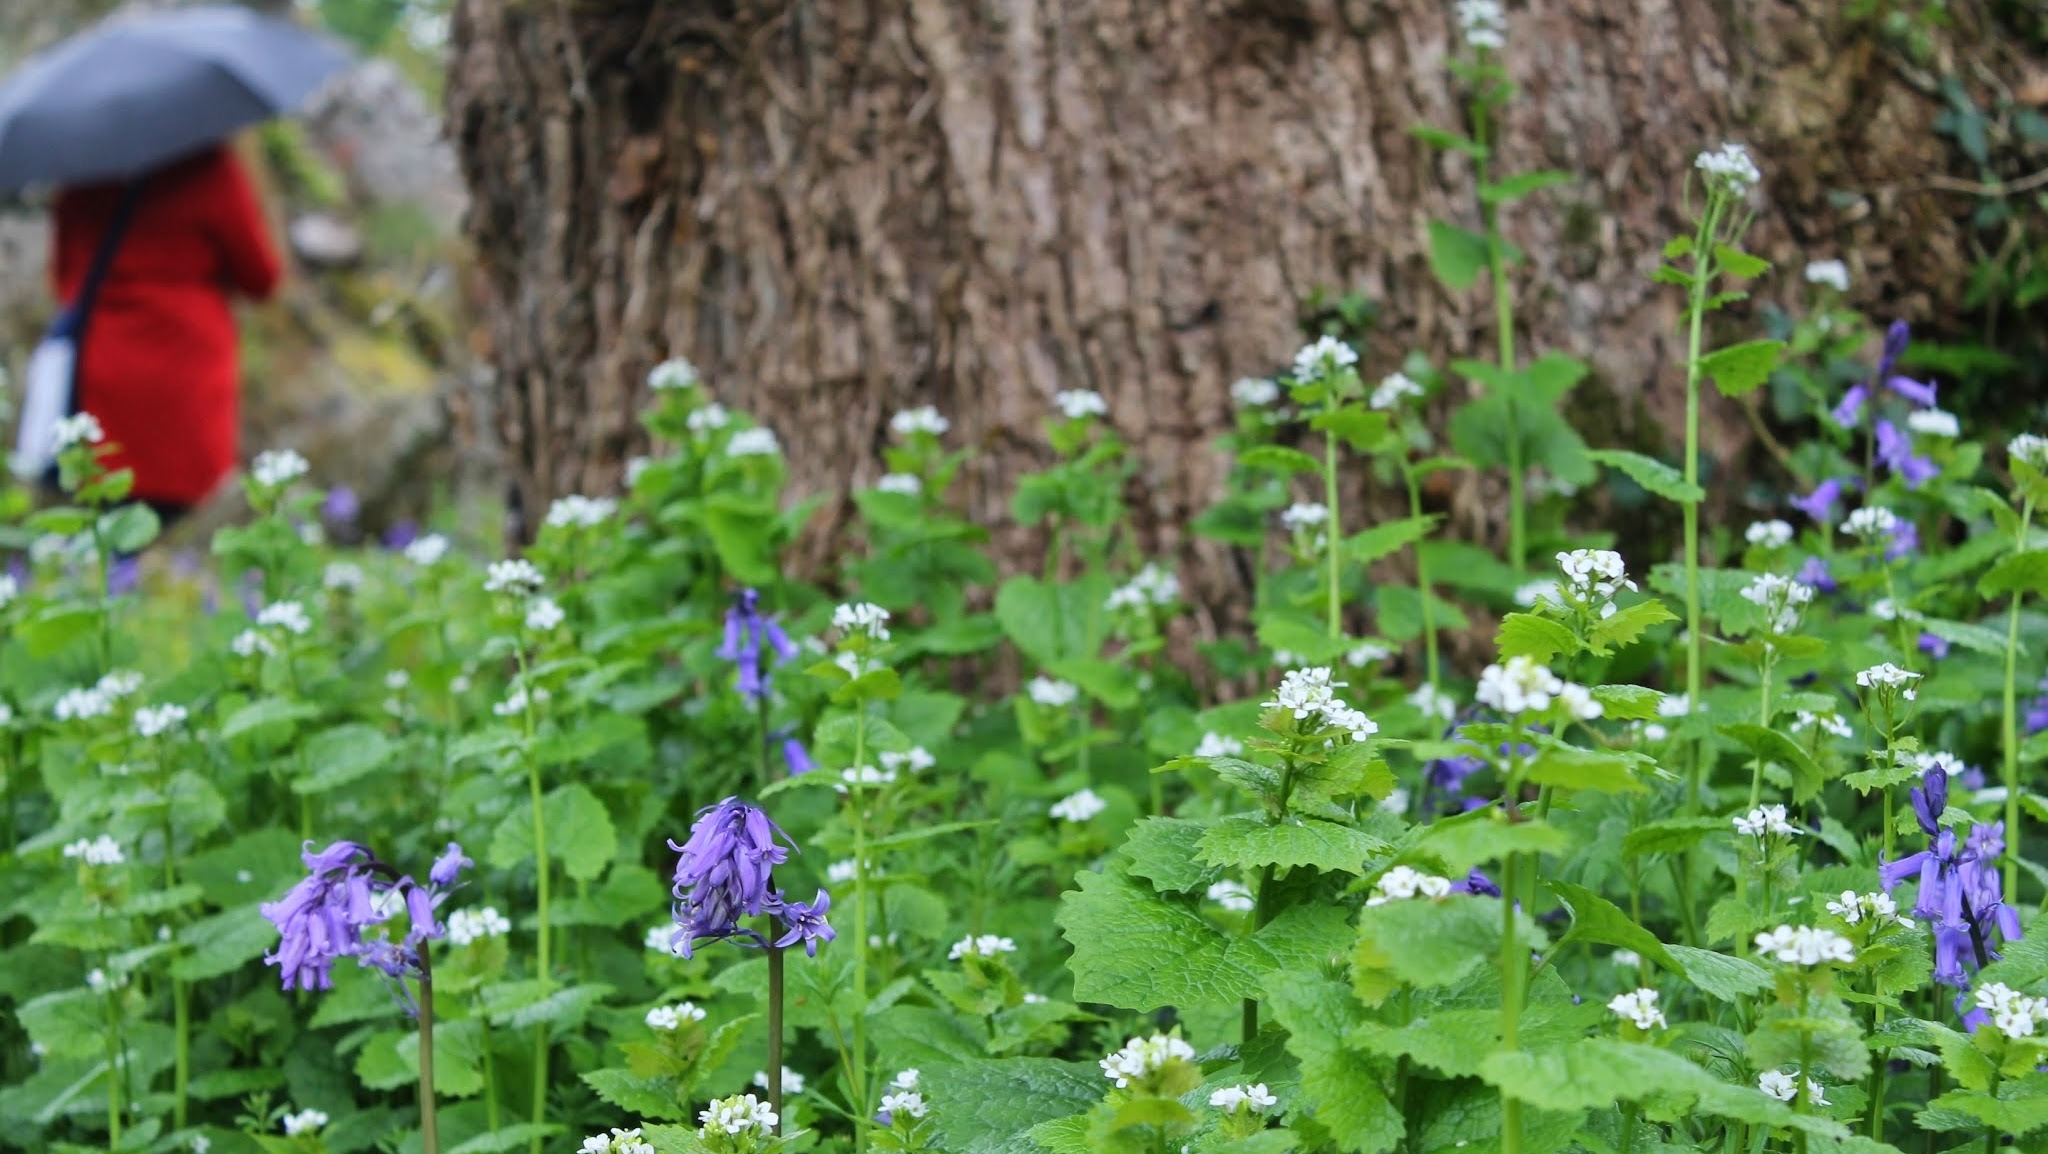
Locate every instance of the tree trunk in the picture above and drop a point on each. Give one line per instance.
(842, 208)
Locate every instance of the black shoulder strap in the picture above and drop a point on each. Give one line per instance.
(103, 257)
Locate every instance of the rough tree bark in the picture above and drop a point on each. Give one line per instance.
(840, 208)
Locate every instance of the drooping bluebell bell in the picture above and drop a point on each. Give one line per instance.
(1933, 645)
(1815, 572)
(806, 923)
(1905, 541)
(1849, 409)
(340, 508)
(1820, 504)
(795, 757)
(1961, 893)
(1477, 883)
(745, 632)
(399, 535)
(725, 872)
(2037, 709)
(1895, 451)
(448, 866)
(347, 892)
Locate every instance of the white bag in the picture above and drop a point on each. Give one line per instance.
(46, 400)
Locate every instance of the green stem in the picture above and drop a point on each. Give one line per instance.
(2012, 733)
(430, 1125)
(542, 962)
(181, 1070)
(857, 799)
(775, 983)
(767, 761)
(1514, 967)
(1802, 1101)
(1422, 580)
(1504, 325)
(1756, 776)
(490, 1073)
(1262, 904)
(1332, 540)
(1696, 309)
(113, 1067)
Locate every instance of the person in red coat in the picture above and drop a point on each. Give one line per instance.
(158, 364)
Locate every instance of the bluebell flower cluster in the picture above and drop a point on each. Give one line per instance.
(725, 872)
(1961, 893)
(346, 894)
(746, 632)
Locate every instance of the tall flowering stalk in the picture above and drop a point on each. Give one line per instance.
(2028, 458)
(1326, 374)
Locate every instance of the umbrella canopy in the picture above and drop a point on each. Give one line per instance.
(133, 94)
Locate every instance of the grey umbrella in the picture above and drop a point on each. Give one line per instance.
(134, 93)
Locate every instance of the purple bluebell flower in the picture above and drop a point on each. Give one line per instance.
(1850, 408)
(1961, 894)
(1905, 541)
(806, 923)
(1477, 883)
(745, 630)
(341, 507)
(323, 917)
(724, 872)
(1921, 393)
(401, 534)
(124, 576)
(1820, 504)
(2037, 710)
(1895, 450)
(448, 866)
(795, 757)
(1815, 572)
(252, 592)
(1933, 645)
(1897, 336)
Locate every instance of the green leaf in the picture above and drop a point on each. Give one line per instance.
(520, 1005)
(1424, 943)
(1653, 475)
(1114, 685)
(1598, 1072)
(2012, 1115)
(1279, 459)
(580, 834)
(1627, 702)
(1536, 637)
(1133, 950)
(1248, 843)
(645, 1097)
(335, 757)
(993, 1105)
(1389, 538)
(1772, 745)
(740, 533)
(1729, 979)
(1736, 262)
(1456, 256)
(1595, 919)
(2025, 572)
(1341, 1087)
(1584, 769)
(275, 717)
(1976, 638)
(1628, 624)
(1361, 428)
(1739, 369)
(224, 943)
(1522, 184)
(129, 528)
(1484, 836)
(1447, 141)
(1053, 623)
(1670, 835)
(518, 1135)
(1677, 246)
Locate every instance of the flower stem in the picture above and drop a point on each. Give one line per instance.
(767, 762)
(1422, 580)
(2012, 724)
(1504, 326)
(540, 863)
(430, 1128)
(775, 1024)
(113, 1068)
(1263, 909)
(1332, 542)
(1514, 967)
(857, 799)
(1696, 310)
(1756, 776)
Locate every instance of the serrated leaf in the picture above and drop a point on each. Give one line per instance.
(1388, 538)
(1628, 624)
(1162, 850)
(1133, 950)
(224, 943)
(1627, 702)
(1597, 1072)
(1361, 428)
(580, 833)
(1770, 744)
(1595, 919)
(1484, 836)
(274, 717)
(642, 1097)
(993, 1105)
(1739, 369)
(2024, 572)
(1247, 843)
(1653, 475)
(1677, 246)
(1533, 636)
(1424, 943)
(1340, 1087)
(1729, 979)
(519, 1005)
(1456, 255)
(1584, 769)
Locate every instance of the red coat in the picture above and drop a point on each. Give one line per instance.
(158, 365)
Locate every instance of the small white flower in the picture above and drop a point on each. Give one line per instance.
(1433, 702)
(1051, 692)
(427, 551)
(1404, 882)
(1396, 802)
(1153, 586)
(1484, 23)
(2029, 448)
(841, 873)
(924, 419)
(99, 851)
(249, 643)
(1640, 1007)
(1079, 807)
(1832, 273)
(737, 1115)
(1782, 600)
(1255, 1097)
(397, 679)
(120, 683)
(517, 577)
(517, 700)
(1578, 702)
(1934, 423)
(862, 617)
(1769, 534)
(79, 429)
(792, 1082)
(1304, 515)
(1878, 908)
(759, 441)
(1805, 946)
(660, 938)
(916, 759)
(276, 468)
(1519, 686)
(1143, 1056)
(1833, 723)
(6, 715)
(1765, 821)
(1217, 745)
(9, 590)
(1888, 676)
(1781, 1084)
(578, 512)
(1337, 715)
(1254, 392)
(982, 946)
(342, 577)
(905, 1080)
(245, 876)
(155, 721)
(83, 704)
(1393, 389)
(1592, 577)
(2015, 1014)
(619, 1141)
(1870, 523)
(199, 1144)
(710, 418)
(908, 1103)
(466, 926)
(673, 373)
(1078, 404)
(1730, 167)
(289, 616)
(1304, 692)
(907, 484)
(1324, 358)
(1365, 654)
(866, 776)
(1232, 896)
(1626, 959)
(543, 615)
(304, 1122)
(636, 467)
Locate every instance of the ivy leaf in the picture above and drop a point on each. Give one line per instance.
(1584, 769)
(1389, 538)
(2025, 572)
(993, 1105)
(1653, 475)
(1248, 843)
(1456, 255)
(1738, 369)
(1628, 624)
(1162, 850)
(1340, 1086)
(1535, 637)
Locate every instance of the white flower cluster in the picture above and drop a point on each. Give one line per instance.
(1871, 523)
(543, 615)
(157, 720)
(1051, 693)
(735, 1115)
(866, 776)
(1592, 577)
(99, 851)
(1307, 693)
(579, 512)
(1079, 807)
(276, 468)
(2030, 449)
(1392, 390)
(758, 441)
(673, 373)
(304, 1122)
(1765, 821)
(1153, 586)
(1878, 908)
(84, 704)
(1832, 273)
(1783, 1084)
(1484, 23)
(1232, 896)
(517, 700)
(2015, 1014)
(862, 617)
(1304, 515)
(917, 759)
(1433, 702)
(981, 946)
(1731, 167)
(903, 1096)
(902, 484)
(619, 1141)
(792, 1082)
(1404, 882)
(924, 419)
(1934, 423)
(1640, 1007)
(9, 590)
(427, 551)
(1523, 686)
(1324, 358)
(1365, 653)
(1252, 1098)
(1782, 600)
(1079, 404)
(79, 429)
(288, 616)
(1889, 676)
(1805, 946)
(1769, 534)
(1833, 723)
(466, 926)
(1143, 1056)
(1217, 745)
(342, 576)
(1254, 392)
(711, 418)
(514, 578)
